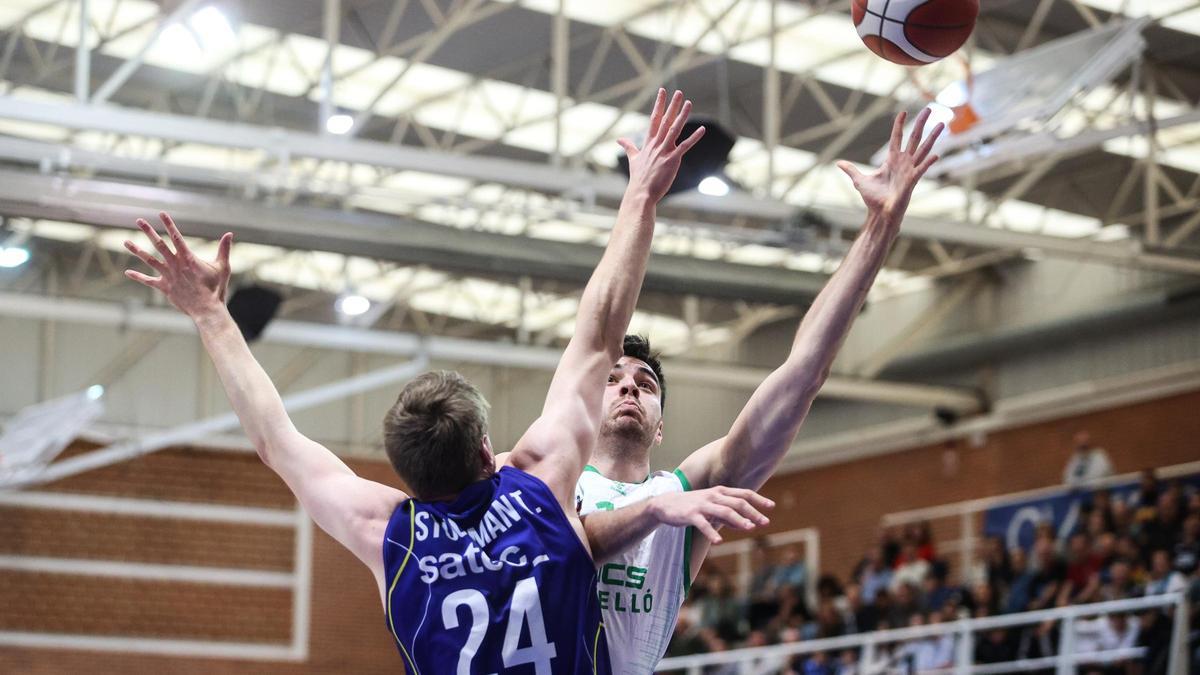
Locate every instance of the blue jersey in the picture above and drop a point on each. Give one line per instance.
(495, 581)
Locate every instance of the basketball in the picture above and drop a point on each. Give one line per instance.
(914, 32)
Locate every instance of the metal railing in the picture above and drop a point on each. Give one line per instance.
(872, 647)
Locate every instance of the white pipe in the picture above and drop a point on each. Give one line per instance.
(343, 338)
(148, 508)
(191, 574)
(194, 431)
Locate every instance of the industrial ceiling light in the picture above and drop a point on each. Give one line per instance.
(353, 305)
(212, 29)
(339, 124)
(13, 256)
(714, 186)
(252, 308)
(705, 160)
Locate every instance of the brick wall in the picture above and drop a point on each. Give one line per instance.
(348, 635)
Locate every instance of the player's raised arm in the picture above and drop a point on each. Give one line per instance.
(558, 444)
(767, 425)
(352, 510)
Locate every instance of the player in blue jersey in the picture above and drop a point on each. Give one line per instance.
(482, 568)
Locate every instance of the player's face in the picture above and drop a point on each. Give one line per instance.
(632, 403)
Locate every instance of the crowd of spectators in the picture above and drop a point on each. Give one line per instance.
(1145, 544)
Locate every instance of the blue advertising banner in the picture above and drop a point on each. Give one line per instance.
(1016, 523)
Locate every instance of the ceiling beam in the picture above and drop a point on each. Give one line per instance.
(384, 237)
(457, 350)
(545, 178)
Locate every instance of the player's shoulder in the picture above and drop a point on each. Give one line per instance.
(592, 480)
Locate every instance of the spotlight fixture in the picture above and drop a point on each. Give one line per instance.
(339, 124)
(252, 308)
(353, 305)
(713, 186)
(13, 256)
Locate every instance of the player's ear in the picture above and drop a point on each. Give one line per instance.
(658, 434)
(489, 457)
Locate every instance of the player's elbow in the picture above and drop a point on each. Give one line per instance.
(806, 375)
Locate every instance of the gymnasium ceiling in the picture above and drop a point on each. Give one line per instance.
(478, 186)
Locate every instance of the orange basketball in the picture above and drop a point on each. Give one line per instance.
(914, 32)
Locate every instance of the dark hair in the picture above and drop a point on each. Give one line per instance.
(638, 347)
(433, 434)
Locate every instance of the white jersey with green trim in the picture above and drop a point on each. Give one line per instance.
(642, 589)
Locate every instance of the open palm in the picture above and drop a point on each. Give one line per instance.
(191, 284)
(888, 189)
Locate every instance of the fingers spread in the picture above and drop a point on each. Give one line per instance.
(746, 510)
(923, 151)
(660, 106)
(850, 170)
(918, 130)
(145, 256)
(752, 497)
(176, 236)
(924, 166)
(677, 124)
(692, 140)
(669, 119)
(152, 235)
(152, 282)
(701, 523)
(628, 146)
(897, 132)
(223, 248)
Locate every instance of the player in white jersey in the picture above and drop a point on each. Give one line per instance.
(639, 524)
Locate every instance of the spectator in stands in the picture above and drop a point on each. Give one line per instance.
(873, 574)
(1118, 584)
(929, 653)
(790, 571)
(993, 567)
(995, 647)
(903, 605)
(1164, 529)
(1080, 565)
(891, 546)
(911, 568)
(720, 610)
(937, 593)
(1122, 516)
(1147, 495)
(826, 624)
(861, 616)
(1103, 634)
(1164, 579)
(1187, 551)
(1020, 593)
(764, 595)
(922, 535)
(1051, 572)
(1087, 463)
(984, 600)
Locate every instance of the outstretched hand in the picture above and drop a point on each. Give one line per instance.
(887, 191)
(712, 508)
(192, 285)
(653, 166)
